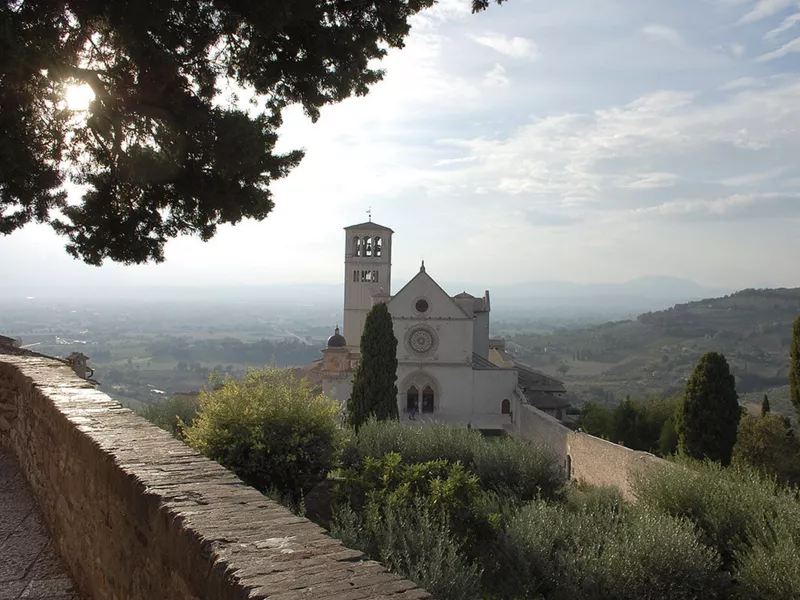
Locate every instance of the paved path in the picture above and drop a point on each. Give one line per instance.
(30, 566)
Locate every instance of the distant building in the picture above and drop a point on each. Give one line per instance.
(542, 391)
(79, 361)
(10, 342)
(448, 368)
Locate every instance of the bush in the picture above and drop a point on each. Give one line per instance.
(768, 443)
(606, 553)
(507, 465)
(590, 499)
(734, 508)
(771, 570)
(414, 542)
(173, 414)
(271, 431)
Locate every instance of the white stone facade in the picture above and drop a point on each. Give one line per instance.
(443, 341)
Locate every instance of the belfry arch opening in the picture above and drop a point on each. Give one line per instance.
(367, 246)
(377, 249)
(356, 246)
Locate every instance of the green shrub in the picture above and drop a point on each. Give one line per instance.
(414, 444)
(590, 499)
(507, 465)
(771, 570)
(270, 430)
(579, 554)
(734, 507)
(414, 542)
(172, 414)
(768, 443)
(512, 466)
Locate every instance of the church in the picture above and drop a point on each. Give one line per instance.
(445, 369)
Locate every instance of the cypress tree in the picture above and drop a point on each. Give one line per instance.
(708, 413)
(374, 385)
(765, 406)
(794, 367)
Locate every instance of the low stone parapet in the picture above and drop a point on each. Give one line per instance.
(585, 458)
(137, 514)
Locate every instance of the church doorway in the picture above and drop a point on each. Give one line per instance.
(505, 407)
(428, 398)
(412, 399)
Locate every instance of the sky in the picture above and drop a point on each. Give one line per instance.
(584, 140)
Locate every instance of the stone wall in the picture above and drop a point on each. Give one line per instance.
(586, 458)
(137, 514)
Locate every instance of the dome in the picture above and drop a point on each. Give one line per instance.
(337, 340)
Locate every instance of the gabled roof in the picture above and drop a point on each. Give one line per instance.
(531, 380)
(481, 364)
(423, 274)
(368, 225)
(542, 400)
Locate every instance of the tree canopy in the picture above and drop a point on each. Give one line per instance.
(374, 384)
(708, 414)
(794, 367)
(166, 148)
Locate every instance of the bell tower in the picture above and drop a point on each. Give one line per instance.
(367, 272)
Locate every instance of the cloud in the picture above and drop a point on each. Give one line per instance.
(649, 181)
(736, 207)
(751, 178)
(515, 47)
(742, 82)
(641, 154)
(785, 50)
(662, 33)
(496, 77)
(785, 25)
(737, 50)
(764, 9)
(454, 161)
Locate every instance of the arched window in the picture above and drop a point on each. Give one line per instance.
(367, 243)
(356, 246)
(378, 249)
(506, 407)
(428, 399)
(412, 398)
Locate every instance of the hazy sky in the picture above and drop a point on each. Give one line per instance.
(582, 140)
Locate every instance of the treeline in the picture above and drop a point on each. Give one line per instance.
(284, 353)
(647, 425)
(767, 442)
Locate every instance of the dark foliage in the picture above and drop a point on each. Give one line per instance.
(509, 466)
(765, 406)
(768, 443)
(647, 425)
(708, 413)
(794, 367)
(374, 384)
(163, 149)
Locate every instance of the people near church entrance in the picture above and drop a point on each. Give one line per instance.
(414, 410)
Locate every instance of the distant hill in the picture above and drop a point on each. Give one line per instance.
(655, 353)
